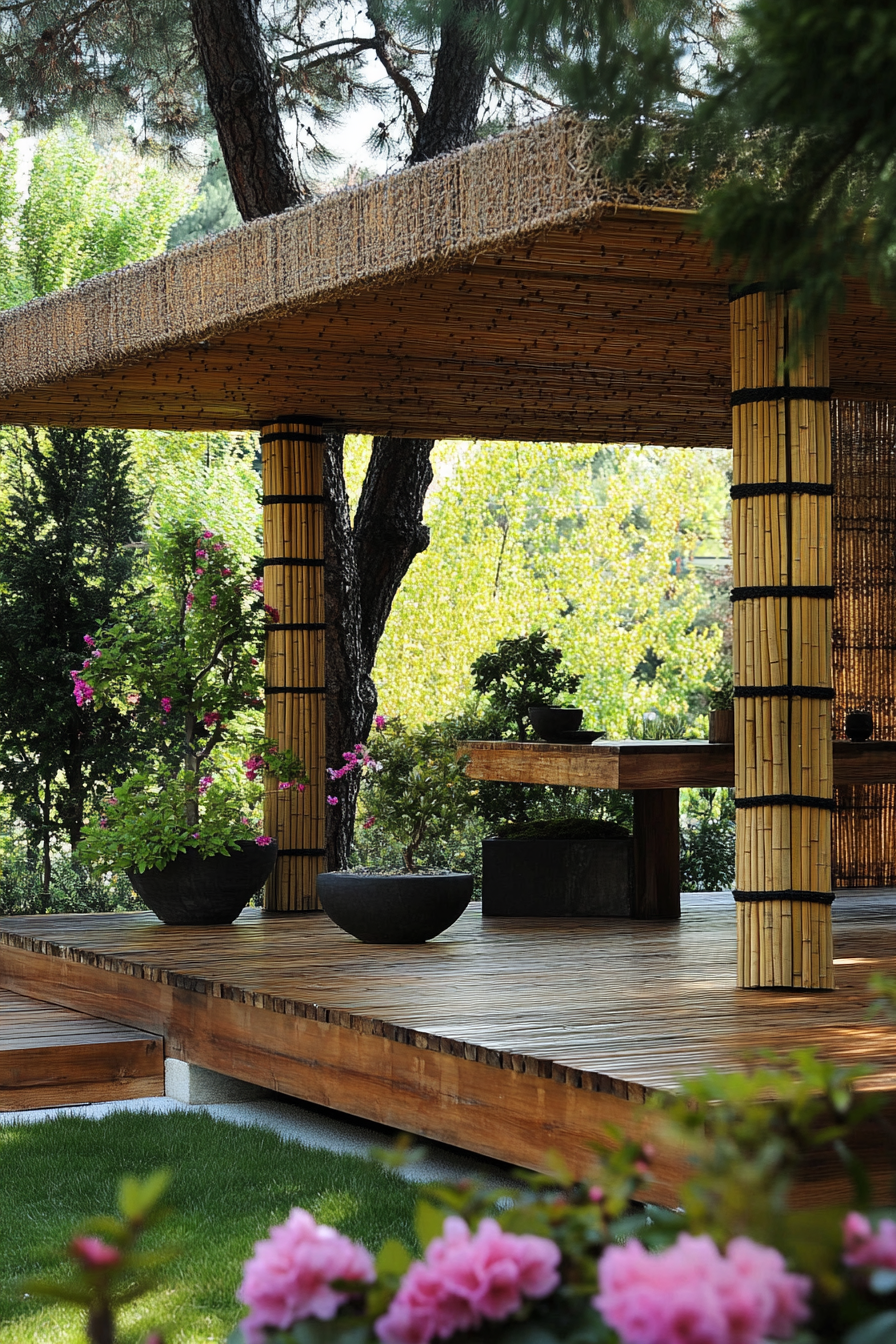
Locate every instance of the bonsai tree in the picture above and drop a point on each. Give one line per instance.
(416, 790)
(521, 672)
(721, 695)
(188, 665)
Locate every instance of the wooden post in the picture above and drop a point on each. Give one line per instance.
(293, 513)
(657, 846)
(781, 542)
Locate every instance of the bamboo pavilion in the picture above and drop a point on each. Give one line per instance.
(511, 290)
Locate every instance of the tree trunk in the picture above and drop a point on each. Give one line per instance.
(459, 83)
(45, 846)
(389, 529)
(363, 568)
(242, 100)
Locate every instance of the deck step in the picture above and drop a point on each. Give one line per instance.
(51, 1056)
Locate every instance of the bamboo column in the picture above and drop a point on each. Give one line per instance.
(293, 514)
(781, 535)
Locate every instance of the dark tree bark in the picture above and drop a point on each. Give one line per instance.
(241, 97)
(364, 565)
(459, 84)
(388, 531)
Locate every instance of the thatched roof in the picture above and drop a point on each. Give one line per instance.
(505, 290)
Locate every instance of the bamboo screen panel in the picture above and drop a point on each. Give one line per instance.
(293, 524)
(864, 437)
(781, 512)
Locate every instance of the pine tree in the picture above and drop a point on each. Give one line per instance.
(68, 550)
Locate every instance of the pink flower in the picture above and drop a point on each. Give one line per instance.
(264, 840)
(272, 612)
(254, 767)
(301, 788)
(93, 1253)
(218, 546)
(104, 822)
(258, 585)
(207, 536)
(165, 702)
(226, 573)
(863, 1247)
(288, 1278)
(693, 1294)
(213, 601)
(201, 554)
(285, 784)
(380, 722)
(466, 1279)
(595, 1194)
(211, 717)
(368, 822)
(133, 697)
(82, 692)
(333, 802)
(204, 783)
(89, 641)
(199, 573)
(190, 600)
(246, 821)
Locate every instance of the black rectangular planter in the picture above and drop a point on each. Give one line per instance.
(557, 878)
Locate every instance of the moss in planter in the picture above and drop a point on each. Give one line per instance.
(563, 828)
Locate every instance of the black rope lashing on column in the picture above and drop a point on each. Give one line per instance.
(295, 690)
(780, 488)
(818, 590)
(779, 799)
(736, 291)
(292, 499)
(815, 897)
(784, 692)
(290, 560)
(745, 395)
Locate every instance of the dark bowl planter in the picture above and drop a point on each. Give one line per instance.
(194, 890)
(859, 725)
(552, 719)
(401, 908)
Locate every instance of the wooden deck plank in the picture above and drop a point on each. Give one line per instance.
(504, 1036)
(52, 1056)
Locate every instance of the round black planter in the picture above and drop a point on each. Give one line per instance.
(194, 890)
(406, 908)
(859, 725)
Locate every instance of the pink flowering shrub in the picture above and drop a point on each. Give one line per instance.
(691, 1293)
(468, 1278)
(865, 1248)
(291, 1274)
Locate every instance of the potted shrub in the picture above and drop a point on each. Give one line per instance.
(721, 708)
(416, 792)
(547, 854)
(186, 668)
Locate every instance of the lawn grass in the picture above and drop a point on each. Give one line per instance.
(230, 1184)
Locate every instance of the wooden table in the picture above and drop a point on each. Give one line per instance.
(653, 772)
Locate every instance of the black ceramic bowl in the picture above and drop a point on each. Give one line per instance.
(859, 725)
(549, 720)
(400, 908)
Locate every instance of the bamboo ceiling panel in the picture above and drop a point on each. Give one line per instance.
(504, 291)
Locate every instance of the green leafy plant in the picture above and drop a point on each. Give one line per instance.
(721, 694)
(187, 664)
(110, 1270)
(416, 789)
(521, 672)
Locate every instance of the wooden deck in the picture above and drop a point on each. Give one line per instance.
(507, 1037)
(51, 1056)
